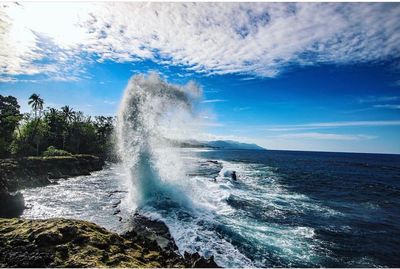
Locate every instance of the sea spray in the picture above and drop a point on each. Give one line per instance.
(152, 115)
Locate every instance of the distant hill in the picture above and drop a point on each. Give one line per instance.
(220, 144)
(229, 144)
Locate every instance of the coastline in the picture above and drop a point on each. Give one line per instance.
(64, 242)
(31, 172)
(76, 243)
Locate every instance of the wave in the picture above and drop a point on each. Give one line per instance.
(151, 114)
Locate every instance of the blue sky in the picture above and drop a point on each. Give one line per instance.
(304, 76)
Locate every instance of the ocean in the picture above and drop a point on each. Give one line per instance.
(286, 208)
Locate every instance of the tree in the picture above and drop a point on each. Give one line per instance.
(36, 103)
(68, 113)
(9, 118)
(33, 138)
(52, 129)
(57, 126)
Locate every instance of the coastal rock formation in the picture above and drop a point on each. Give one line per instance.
(74, 243)
(16, 174)
(155, 236)
(12, 205)
(30, 172)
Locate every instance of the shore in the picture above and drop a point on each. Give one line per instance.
(30, 172)
(77, 243)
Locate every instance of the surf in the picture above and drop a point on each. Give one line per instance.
(152, 115)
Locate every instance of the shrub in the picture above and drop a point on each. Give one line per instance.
(52, 151)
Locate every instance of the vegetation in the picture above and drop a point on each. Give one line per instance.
(52, 151)
(51, 131)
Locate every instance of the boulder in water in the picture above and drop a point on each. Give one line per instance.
(12, 205)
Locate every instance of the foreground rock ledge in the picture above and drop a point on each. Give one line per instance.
(75, 243)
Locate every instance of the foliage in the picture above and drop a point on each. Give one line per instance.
(36, 102)
(60, 129)
(9, 118)
(52, 151)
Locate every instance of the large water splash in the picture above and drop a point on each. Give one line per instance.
(152, 114)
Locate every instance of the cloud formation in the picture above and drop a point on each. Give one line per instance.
(390, 106)
(338, 124)
(257, 39)
(214, 101)
(327, 136)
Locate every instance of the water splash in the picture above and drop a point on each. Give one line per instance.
(152, 115)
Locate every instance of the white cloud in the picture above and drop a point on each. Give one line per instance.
(8, 79)
(258, 39)
(213, 101)
(310, 126)
(110, 102)
(326, 136)
(242, 108)
(377, 99)
(390, 106)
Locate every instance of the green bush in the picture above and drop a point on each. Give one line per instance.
(52, 151)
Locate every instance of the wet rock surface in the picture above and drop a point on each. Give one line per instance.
(17, 174)
(12, 204)
(75, 243)
(155, 236)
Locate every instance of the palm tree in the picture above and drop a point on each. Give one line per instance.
(37, 105)
(68, 113)
(36, 102)
(52, 111)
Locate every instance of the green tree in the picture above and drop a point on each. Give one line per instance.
(9, 118)
(104, 130)
(32, 139)
(36, 103)
(56, 130)
(57, 127)
(68, 113)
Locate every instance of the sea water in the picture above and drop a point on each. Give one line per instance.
(286, 208)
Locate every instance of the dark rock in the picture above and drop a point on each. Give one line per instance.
(117, 212)
(154, 235)
(16, 174)
(197, 261)
(68, 232)
(12, 205)
(48, 238)
(74, 243)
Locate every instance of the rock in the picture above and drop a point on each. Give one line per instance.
(117, 212)
(16, 174)
(48, 239)
(75, 243)
(12, 205)
(155, 236)
(197, 261)
(53, 243)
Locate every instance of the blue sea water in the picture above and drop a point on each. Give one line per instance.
(354, 210)
(286, 209)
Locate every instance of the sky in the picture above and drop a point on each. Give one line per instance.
(293, 76)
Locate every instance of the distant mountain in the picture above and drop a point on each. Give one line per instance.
(229, 144)
(218, 144)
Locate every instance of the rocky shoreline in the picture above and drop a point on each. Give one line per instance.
(76, 243)
(17, 174)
